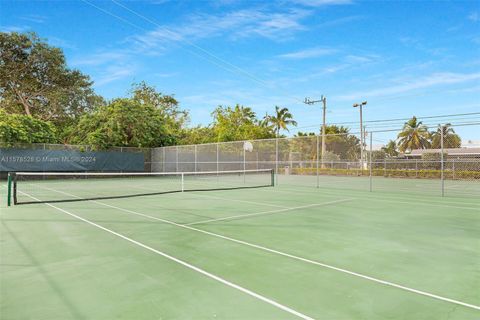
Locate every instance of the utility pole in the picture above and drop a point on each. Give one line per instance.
(360, 105)
(323, 99)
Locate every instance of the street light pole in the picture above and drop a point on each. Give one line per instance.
(360, 105)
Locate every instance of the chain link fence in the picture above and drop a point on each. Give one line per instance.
(337, 161)
(340, 161)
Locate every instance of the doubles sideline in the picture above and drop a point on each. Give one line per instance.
(181, 262)
(277, 252)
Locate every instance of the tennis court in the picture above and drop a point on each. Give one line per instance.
(287, 251)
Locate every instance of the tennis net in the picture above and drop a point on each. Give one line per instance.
(42, 187)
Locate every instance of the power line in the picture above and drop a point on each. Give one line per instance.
(392, 120)
(219, 62)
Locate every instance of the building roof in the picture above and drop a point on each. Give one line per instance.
(449, 151)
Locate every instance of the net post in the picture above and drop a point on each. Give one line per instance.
(272, 177)
(370, 158)
(441, 160)
(9, 190)
(14, 182)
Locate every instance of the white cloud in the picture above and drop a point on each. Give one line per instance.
(435, 79)
(35, 18)
(114, 73)
(319, 3)
(100, 58)
(235, 24)
(14, 28)
(308, 53)
(57, 42)
(474, 16)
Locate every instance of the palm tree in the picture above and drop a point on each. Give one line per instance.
(281, 120)
(450, 138)
(414, 135)
(265, 122)
(390, 149)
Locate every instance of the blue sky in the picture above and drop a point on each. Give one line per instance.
(405, 58)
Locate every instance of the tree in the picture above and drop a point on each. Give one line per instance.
(34, 80)
(450, 138)
(198, 135)
(281, 120)
(414, 135)
(238, 123)
(123, 123)
(390, 149)
(17, 128)
(339, 141)
(174, 118)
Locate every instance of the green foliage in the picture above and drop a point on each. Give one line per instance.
(238, 123)
(330, 157)
(342, 143)
(414, 135)
(174, 118)
(16, 128)
(450, 138)
(198, 135)
(34, 80)
(377, 155)
(281, 120)
(394, 173)
(123, 123)
(390, 149)
(432, 160)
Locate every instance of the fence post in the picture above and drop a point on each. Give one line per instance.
(441, 159)
(195, 158)
(244, 156)
(217, 158)
(385, 167)
(416, 168)
(176, 158)
(453, 169)
(164, 160)
(318, 156)
(370, 158)
(276, 161)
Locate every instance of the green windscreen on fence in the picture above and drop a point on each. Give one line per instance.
(12, 159)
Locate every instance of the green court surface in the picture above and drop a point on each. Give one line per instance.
(291, 251)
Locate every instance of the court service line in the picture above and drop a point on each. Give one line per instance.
(183, 263)
(241, 216)
(238, 200)
(376, 197)
(309, 261)
(220, 198)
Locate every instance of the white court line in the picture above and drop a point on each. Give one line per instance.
(356, 274)
(375, 197)
(220, 198)
(238, 200)
(241, 216)
(183, 263)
